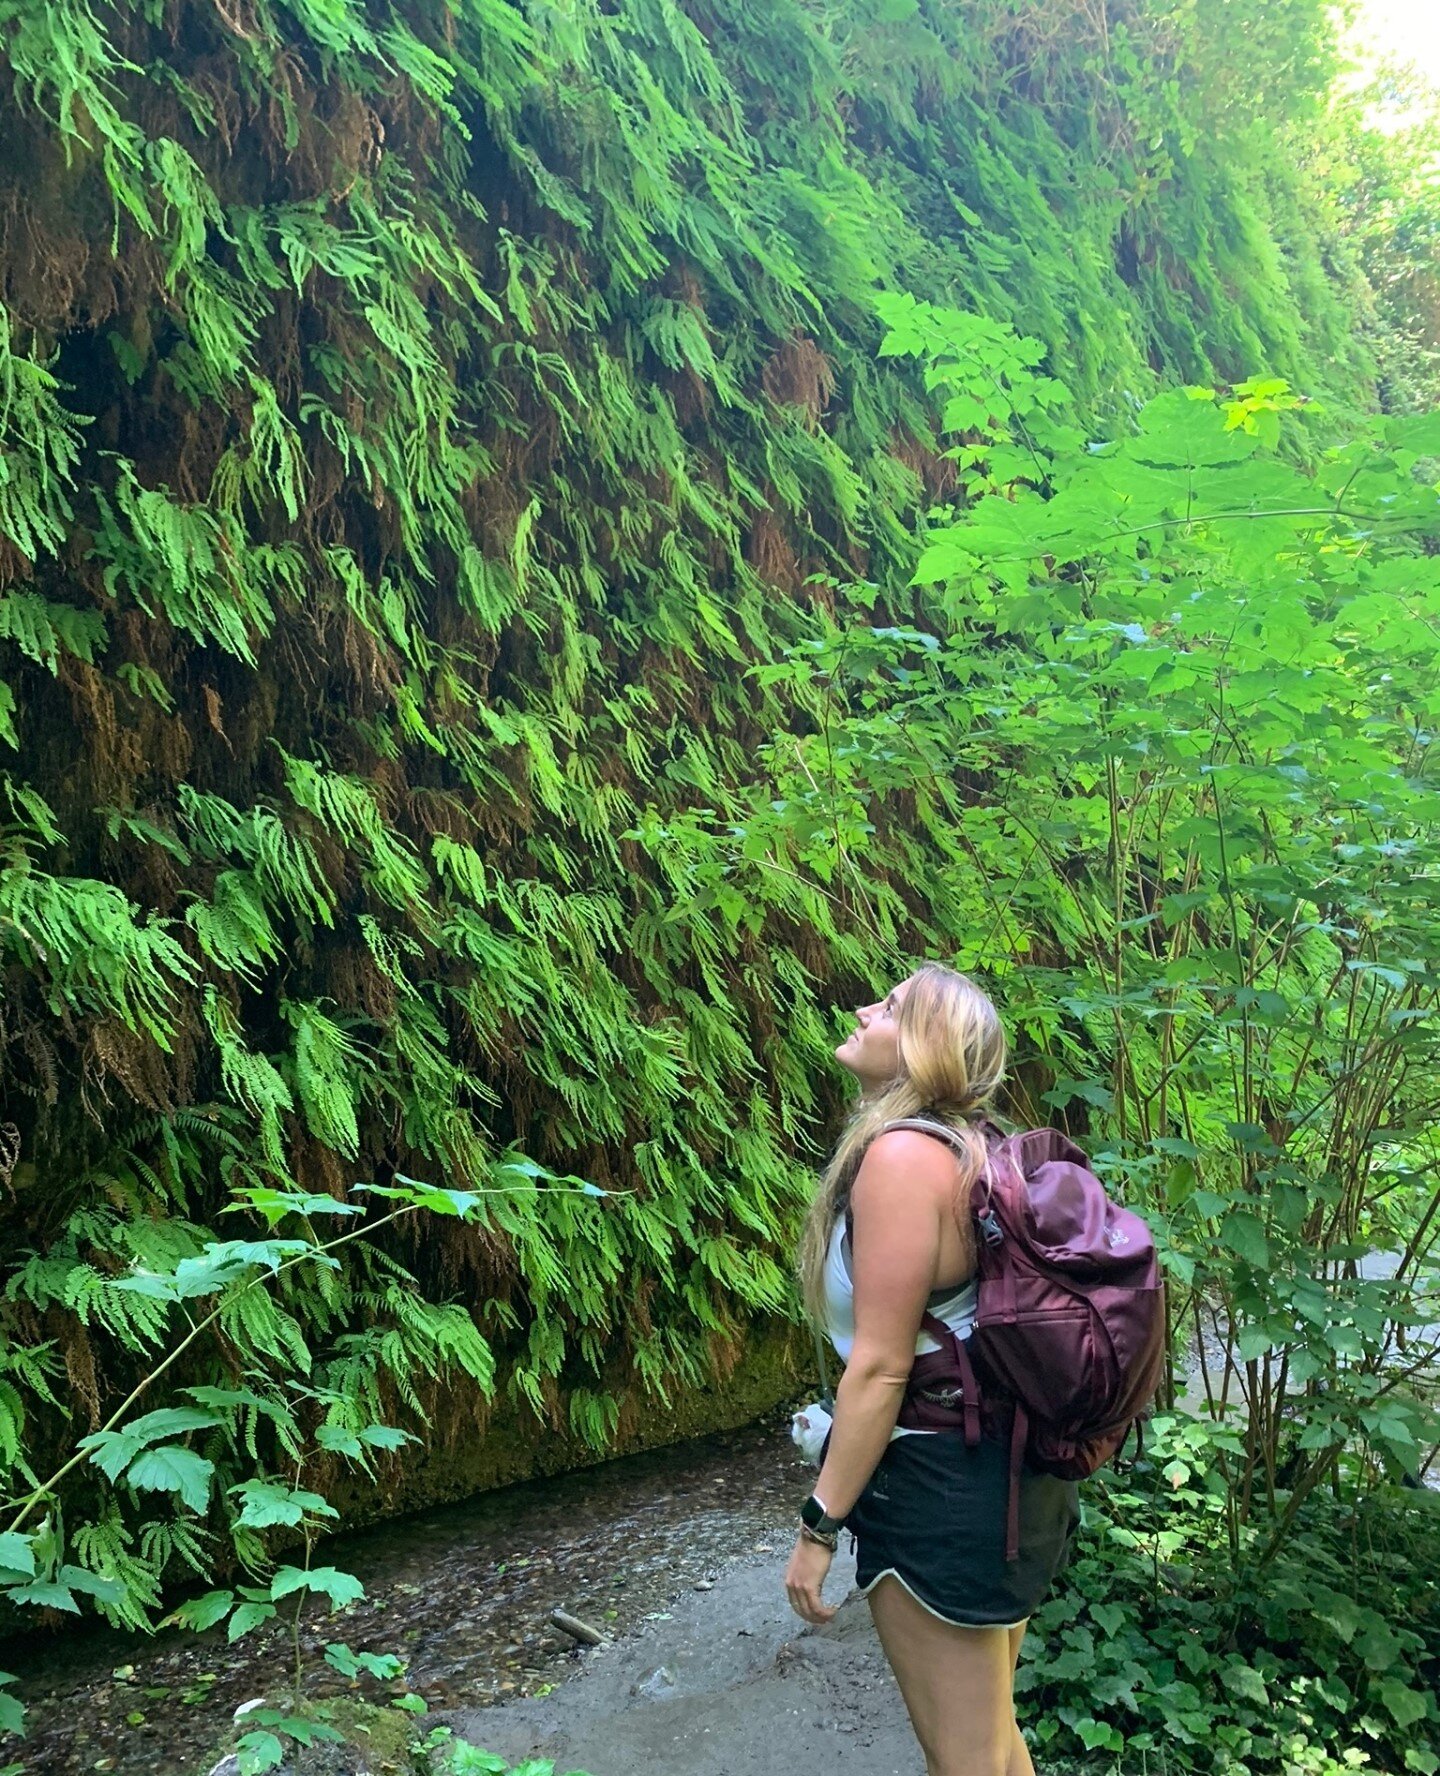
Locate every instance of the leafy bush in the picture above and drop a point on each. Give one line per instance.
(1175, 736)
(1159, 1651)
(440, 1754)
(249, 1457)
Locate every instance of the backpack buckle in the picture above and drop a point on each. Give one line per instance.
(991, 1230)
(952, 1399)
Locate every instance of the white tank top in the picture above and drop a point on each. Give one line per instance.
(953, 1307)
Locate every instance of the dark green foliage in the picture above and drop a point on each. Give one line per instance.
(417, 423)
(1150, 1657)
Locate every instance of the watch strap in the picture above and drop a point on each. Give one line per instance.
(813, 1516)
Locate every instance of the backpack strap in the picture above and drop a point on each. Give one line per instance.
(1019, 1432)
(924, 1125)
(1019, 1428)
(969, 1385)
(943, 1335)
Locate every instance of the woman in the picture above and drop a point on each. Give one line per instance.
(927, 1509)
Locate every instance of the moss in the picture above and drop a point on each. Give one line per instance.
(387, 1738)
(511, 1444)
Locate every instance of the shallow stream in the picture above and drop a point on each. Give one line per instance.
(463, 1593)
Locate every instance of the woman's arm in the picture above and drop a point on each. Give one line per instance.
(904, 1187)
(904, 1190)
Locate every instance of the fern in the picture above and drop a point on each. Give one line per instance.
(326, 1066)
(285, 866)
(42, 631)
(182, 562)
(251, 1079)
(40, 445)
(234, 929)
(86, 942)
(347, 809)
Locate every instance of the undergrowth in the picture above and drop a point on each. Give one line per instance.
(1159, 1651)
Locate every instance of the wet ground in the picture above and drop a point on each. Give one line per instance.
(462, 1593)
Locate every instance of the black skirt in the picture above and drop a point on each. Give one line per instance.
(933, 1514)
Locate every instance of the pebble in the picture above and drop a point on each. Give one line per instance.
(657, 1683)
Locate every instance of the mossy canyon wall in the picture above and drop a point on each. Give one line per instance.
(421, 426)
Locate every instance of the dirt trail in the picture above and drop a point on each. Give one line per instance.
(731, 1684)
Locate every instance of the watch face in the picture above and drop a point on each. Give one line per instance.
(812, 1515)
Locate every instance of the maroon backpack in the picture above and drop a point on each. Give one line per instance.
(1070, 1322)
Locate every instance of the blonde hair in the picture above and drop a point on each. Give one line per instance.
(952, 1055)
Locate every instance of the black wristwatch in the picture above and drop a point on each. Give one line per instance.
(812, 1515)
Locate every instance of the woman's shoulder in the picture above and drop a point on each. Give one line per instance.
(912, 1147)
(905, 1159)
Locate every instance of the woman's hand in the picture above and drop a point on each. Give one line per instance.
(804, 1576)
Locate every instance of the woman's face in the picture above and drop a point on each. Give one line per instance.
(872, 1051)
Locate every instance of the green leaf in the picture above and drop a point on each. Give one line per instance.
(1244, 1234)
(259, 1751)
(339, 1440)
(352, 1664)
(1419, 432)
(111, 1451)
(12, 1711)
(340, 1587)
(248, 1616)
(266, 1504)
(173, 1469)
(151, 1283)
(17, 1552)
(385, 1436)
(46, 1594)
(1341, 1613)
(1244, 1680)
(1178, 432)
(199, 1613)
(1405, 1704)
(169, 1421)
(1092, 1733)
(274, 1205)
(100, 1586)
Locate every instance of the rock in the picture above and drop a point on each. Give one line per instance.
(228, 1766)
(659, 1683)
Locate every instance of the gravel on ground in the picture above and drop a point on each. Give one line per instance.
(726, 1682)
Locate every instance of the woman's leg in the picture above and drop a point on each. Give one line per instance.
(1019, 1764)
(956, 1685)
